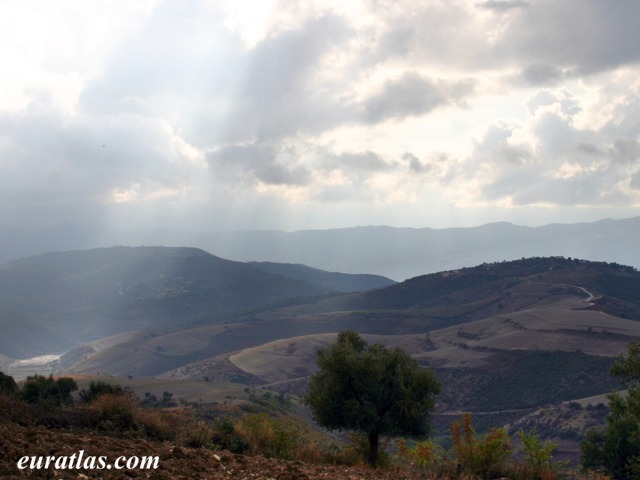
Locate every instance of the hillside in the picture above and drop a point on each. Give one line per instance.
(502, 287)
(554, 296)
(84, 295)
(335, 281)
(505, 339)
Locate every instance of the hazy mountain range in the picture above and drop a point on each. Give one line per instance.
(397, 253)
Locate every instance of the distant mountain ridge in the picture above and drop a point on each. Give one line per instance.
(397, 253)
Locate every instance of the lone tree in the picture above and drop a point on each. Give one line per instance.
(372, 390)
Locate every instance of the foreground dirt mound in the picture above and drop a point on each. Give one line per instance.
(174, 462)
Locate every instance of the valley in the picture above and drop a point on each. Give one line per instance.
(521, 343)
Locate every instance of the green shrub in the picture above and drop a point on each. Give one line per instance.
(97, 388)
(268, 435)
(40, 389)
(538, 456)
(226, 437)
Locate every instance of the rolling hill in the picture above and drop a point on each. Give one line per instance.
(510, 341)
(541, 303)
(51, 302)
(335, 281)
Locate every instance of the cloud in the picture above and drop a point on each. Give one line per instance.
(415, 165)
(59, 168)
(586, 35)
(199, 75)
(553, 160)
(539, 74)
(366, 161)
(503, 5)
(412, 94)
(217, 105)
(265, 163)
(625, 150)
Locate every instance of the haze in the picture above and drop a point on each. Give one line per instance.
(219, 115)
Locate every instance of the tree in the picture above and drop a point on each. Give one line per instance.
(371, 390)
(616, 448)
(38, 388)
(8, 385)
(97, 388)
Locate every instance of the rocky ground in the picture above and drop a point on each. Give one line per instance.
(174, 462)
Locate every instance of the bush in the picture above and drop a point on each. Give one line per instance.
(197, 435)
(114, 413)
(97, 388)
(268, 436)
(157, 424)
(425, 455)
(40, 389)
(226, 437)
(15, 410)
(485, 455)
(538, 456)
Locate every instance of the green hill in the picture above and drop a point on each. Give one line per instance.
(84, 295)
(487, 289)
(339, 282)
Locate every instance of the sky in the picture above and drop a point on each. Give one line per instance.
(239, 114)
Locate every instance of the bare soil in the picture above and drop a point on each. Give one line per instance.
(174, 462)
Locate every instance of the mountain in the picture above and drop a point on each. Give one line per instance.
(73, 297)
(402, 253)
(397, 253)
